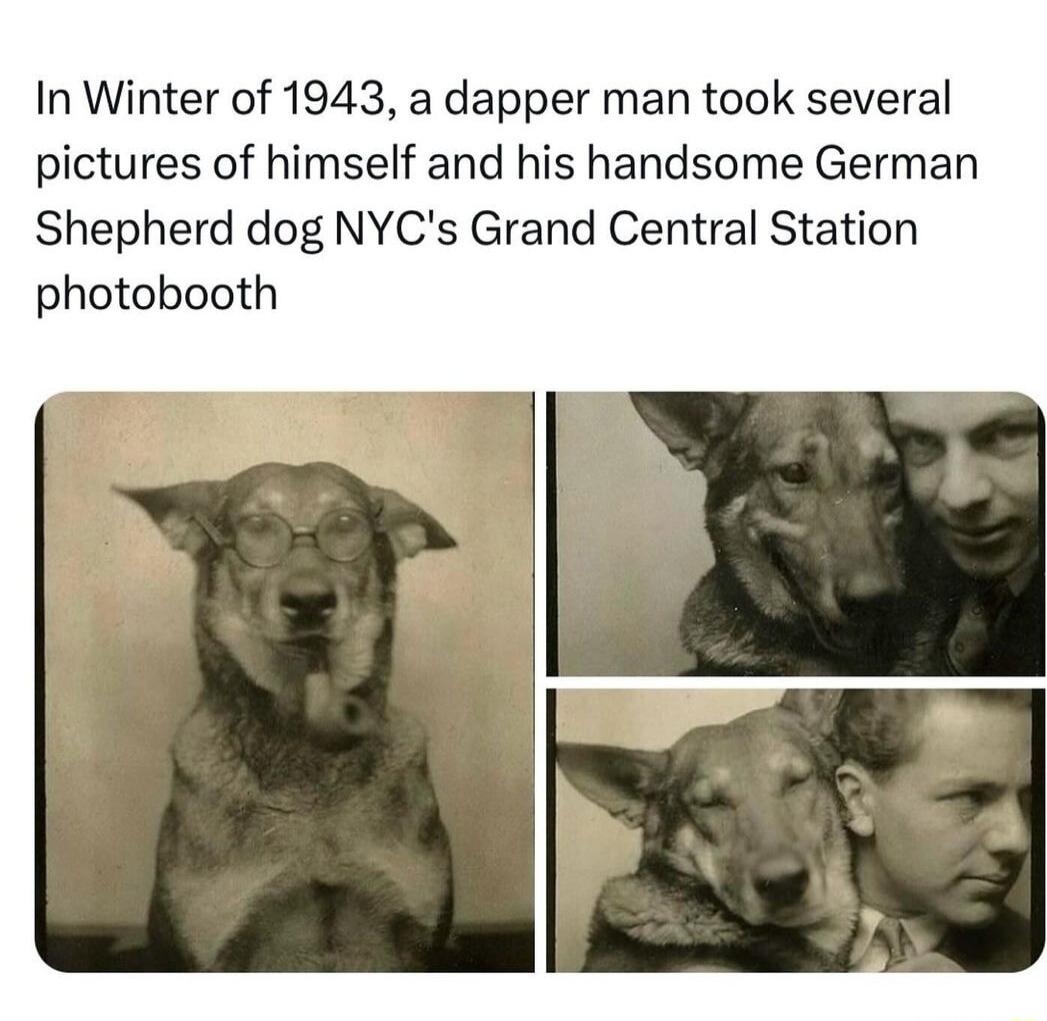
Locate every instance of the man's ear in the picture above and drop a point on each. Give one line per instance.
(173, 507)
(619, 780)
(690, 424)
(410, 529)
(856, 791)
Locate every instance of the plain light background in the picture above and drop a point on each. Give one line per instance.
(961, 311)
(631, 541)
(120, 659)
(591, 846)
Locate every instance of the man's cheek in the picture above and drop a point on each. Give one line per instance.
(1019, 479)
(927, 844)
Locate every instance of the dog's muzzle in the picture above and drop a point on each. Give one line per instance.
(856, 624)
(781, 881)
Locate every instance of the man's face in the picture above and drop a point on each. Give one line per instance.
(951, 826)
(971, 466)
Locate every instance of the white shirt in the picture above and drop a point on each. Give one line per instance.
(868, 954)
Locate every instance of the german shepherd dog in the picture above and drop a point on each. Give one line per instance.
(302, 832)
(803, 507)
(745, 864)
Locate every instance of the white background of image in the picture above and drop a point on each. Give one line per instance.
(962, 311)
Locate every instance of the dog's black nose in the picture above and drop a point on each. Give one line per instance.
(781, 881)
(307, 600)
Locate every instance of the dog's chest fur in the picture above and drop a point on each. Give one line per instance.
(276, 856)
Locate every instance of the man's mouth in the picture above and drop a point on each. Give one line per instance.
(978, 536)
(999, 878)
(993, 883)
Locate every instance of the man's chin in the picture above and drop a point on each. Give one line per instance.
(972, 913)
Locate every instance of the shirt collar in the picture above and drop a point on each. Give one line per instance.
(925, 932)
(1018, 580)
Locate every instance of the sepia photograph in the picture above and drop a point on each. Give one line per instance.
(798, 534)
(798, 830)
(285, 703)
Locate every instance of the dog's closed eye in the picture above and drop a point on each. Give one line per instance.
(797, 776)
(703, 796)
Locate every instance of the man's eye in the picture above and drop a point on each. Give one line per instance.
(967, 803)
(920, 449)
(795, 474)
(1010, 440)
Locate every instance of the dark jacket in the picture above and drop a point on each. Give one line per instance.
(1005, 945)
(1017, 649)
(931, 608)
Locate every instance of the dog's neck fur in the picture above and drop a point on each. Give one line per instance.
(727, 632)
(666, 923)
(268, 738)
(717, 626)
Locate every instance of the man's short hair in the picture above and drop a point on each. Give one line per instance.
(879, 728)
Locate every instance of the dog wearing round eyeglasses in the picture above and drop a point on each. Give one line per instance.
(302, 833)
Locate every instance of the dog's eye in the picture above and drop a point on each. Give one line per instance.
(798, 777)
(258, 525)
(795, 474)
(344, 524)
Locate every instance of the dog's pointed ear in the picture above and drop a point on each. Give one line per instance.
(410, 529)
(690, 424)
(816, 707)
(173, 507)
(619, 780)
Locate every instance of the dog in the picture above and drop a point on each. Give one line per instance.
(302, 832)
(804, 508)
(746, 864)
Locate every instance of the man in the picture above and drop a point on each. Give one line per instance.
(972, 467)
(937, 790)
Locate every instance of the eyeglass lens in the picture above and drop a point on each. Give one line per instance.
(264, 540)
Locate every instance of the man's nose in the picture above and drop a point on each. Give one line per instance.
(1008, 831)
(964, 482)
